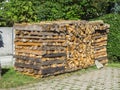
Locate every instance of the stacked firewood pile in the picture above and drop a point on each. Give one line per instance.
(100, 41)
(86, 42)
(50, 48)
(40, 52)
(79, 49)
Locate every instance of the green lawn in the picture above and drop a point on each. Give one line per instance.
(116, 65)
(11, 78)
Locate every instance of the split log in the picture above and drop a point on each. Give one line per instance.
(53, 55)
(52, 70)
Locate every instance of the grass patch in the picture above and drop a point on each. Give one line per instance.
(11, 78)
(116, 65)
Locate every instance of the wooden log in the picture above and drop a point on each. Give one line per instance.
(100, 50)
(96, 48)
(101, 39)
(98, 36)
(105, 61)
(51, 59)
(43, 48)
(27, 58)
(50, 62)
(27, 66)
(53, 55)
(27, 44)
(41, 44)
(42, 41)
(30, 51)
(102, 43)
(47, 33)
(52, 70)
(101, 31)
(53, 47)
(101, 58)
(40, 53)
(20, 69)
(100, 54)
(18, 38)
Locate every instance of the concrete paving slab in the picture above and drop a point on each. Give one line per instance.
(7, 61)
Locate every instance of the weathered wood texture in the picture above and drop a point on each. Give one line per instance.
(50, 48)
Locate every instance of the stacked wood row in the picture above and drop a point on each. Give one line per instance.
(79, 49)
(100, 41)
(40, 53)
(50, 48)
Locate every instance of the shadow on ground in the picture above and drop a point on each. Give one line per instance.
(4, 71)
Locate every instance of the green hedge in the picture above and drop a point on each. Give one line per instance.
(17, 11)
(113, 47)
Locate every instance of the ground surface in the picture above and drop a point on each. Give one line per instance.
(105, 79)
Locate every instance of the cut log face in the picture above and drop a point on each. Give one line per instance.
(50, 48)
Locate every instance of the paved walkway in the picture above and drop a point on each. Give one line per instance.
(104, 79)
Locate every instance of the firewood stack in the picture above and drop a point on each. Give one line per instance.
(79, 49)
(50, 48)
(40, 52)
(100, 41)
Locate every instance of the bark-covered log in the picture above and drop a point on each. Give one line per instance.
(53, 55)
(52, 70)
(30, 66)
(50, 62)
